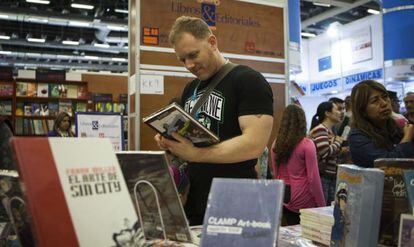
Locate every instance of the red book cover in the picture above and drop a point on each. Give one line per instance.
(74, 200)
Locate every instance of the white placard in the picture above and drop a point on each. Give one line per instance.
(152, 84)
(101, 126)
(361, 45)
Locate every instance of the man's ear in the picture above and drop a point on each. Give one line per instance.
(212, 40)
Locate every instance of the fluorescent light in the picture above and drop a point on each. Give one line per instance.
(4, 37)
(4, 16)
(78, 23)
(70, 42)
(123, 11)
(91, 57)
(118, 59)
(310, 35)
(101, 45)
(333, 29)
(36, 40)
(334, 91)
(34, 19)
(373, 11)
(38, 1)
(322, 4)
(33, 54)
(63, 56)
(117, 28)
(5, 52)
(81, 6)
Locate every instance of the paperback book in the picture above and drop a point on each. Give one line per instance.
(31, 89)
(241, 221)
(149, 180)
(6, 107)
(409, 185)
(395, 200)
(42, 90)
(72, 91)
(6, 89)
(21, 89)
(173, 118)
(357, 208)
(75, 200)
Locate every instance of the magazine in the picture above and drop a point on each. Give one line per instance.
(173, 118)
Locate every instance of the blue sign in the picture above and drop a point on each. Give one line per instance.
(325, 63)
(208, 14)
(351, 80)
(325, 85)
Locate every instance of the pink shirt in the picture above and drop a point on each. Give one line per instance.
(302, 174)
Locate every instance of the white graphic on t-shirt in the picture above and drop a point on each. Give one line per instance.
(212, 108)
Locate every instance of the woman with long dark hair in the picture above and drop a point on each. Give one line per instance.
(374, 133)
(294, 161)
(328, 145)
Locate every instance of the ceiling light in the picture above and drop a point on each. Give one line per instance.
(4, 16)
(63, 56)
(79, 23)
(309, 35)
(118, 59)
(36, 40)
(117, 28)
(4, 37)
(123, 11)
(5, 52)
(333, 29)
(34, 19)
(70, 42)
(38, 1)
(81, 6)
(101, 45)
(33, 54)
(373, 11)
(92, 57)
(322, 4)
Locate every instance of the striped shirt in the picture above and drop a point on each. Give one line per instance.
(327, 149)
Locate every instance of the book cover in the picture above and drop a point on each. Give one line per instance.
(50, 124)
(53, 108)
(142, 168)
(35, 109)
(54, 90)
(21, 89)
(6, 89)
(82, 92)
(13, 207)
(19, 109)
(28, 109)
(357, 208)
(65, 106)
(6, 107)
(31, 89)
(42, 90)
(406, 233)
(63, 90)
(75, 200)
(43, 109)
(242, 221)
(72, 91)
(395, 200)
(409, 185)
(101, 97)
(19, 126)
(80, 107)
(174, 119)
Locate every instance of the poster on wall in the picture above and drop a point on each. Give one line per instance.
(107, 125)
(361, 45)
(325, 57)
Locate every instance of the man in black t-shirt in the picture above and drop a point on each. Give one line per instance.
(239, 110)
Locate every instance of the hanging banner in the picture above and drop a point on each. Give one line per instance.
(351, 80)
(326, 86)
(100, 125)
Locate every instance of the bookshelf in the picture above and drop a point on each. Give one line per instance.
(7, 99)
(37, 103)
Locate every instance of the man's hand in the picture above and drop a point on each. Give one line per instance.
(160, 142)
(181, 147)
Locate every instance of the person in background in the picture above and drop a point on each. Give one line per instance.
(62, 126)
(294, 160)
(241, 116)
(374, 133)
(409, 106)
(345, 127)
(395, 105)
(328, 145)
(340, 104)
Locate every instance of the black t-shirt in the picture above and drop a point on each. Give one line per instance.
(243, 91)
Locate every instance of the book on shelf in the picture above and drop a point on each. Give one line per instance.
(31, 89)
(395, 201)
(63, 90)
(42, 90)
(35, 109)
(72, 91)
(82, 92)
(409, 185)
(28, 109)
(43, 109)
(53, 108)
(13, 207)
(357, 207)
(21, 89)
(143, 169)
(6, 107)
(173, 118)
(6, 89)
(54, 90)
(19, 109)
(19, 126)
(101, 97)
(50, 124)
(406, 232)
(78, 200)
(80, 107)
(242, 221)
(65, 106)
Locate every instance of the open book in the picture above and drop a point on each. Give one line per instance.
(173, 118)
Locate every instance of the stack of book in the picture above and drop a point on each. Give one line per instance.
(317, 224)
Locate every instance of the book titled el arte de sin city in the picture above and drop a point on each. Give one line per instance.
(76, 193)
(173, 118)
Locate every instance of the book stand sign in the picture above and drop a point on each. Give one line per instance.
(145, 182)
(101, 125)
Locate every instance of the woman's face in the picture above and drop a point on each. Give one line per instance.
(335, 115)
(64, 125)
(378, 109)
